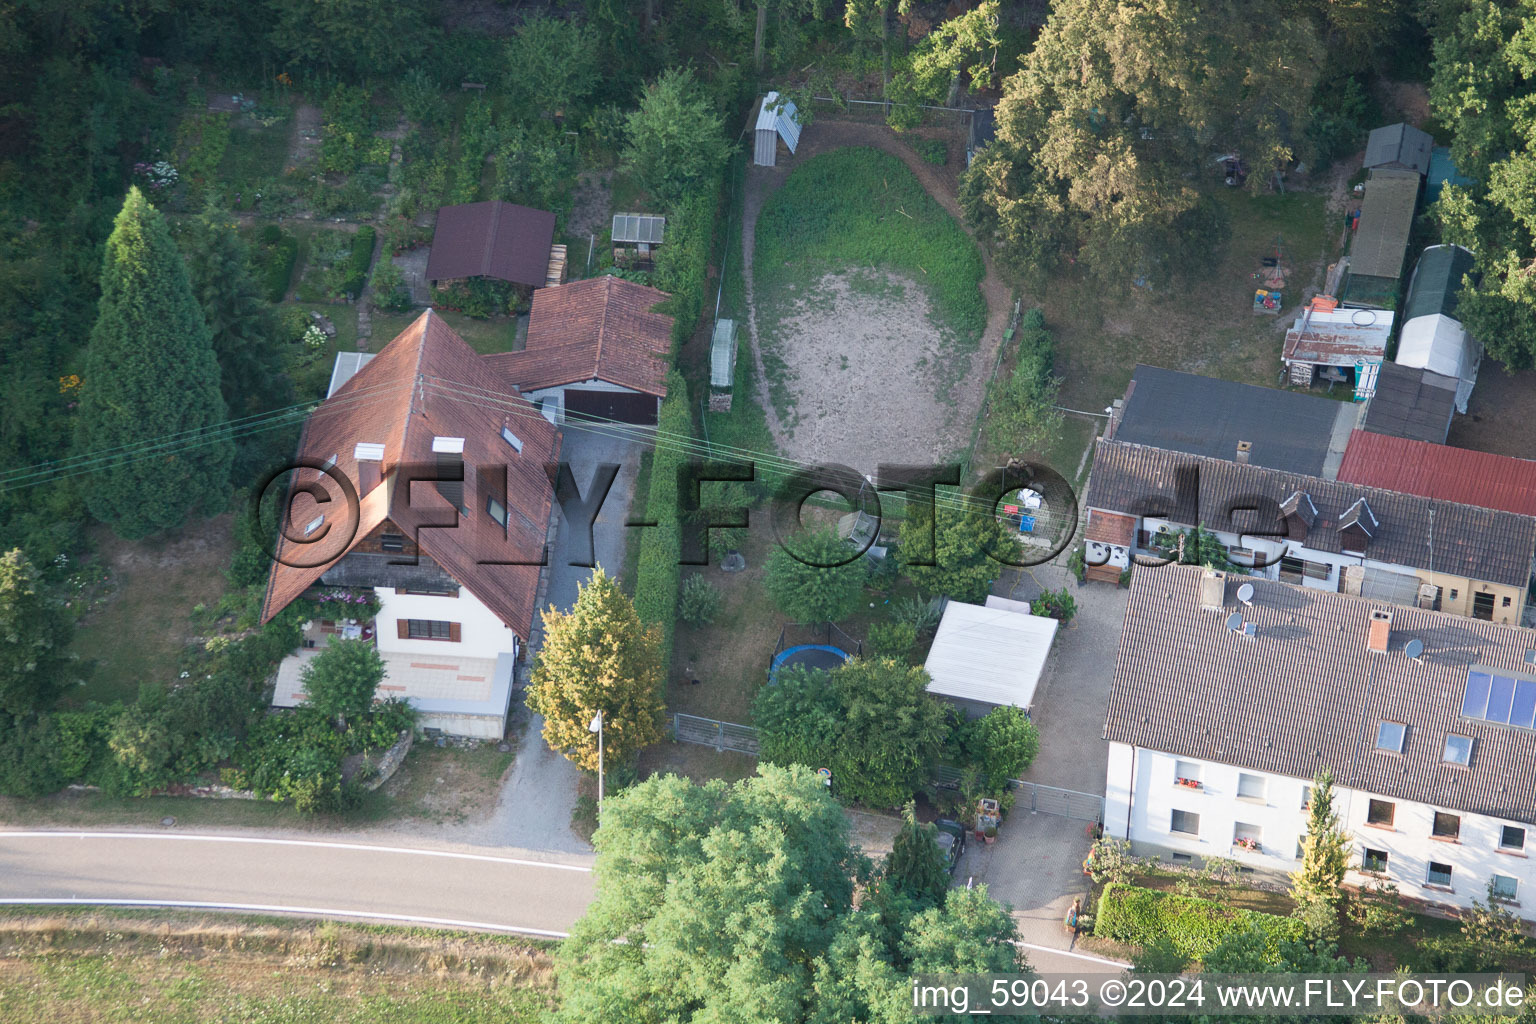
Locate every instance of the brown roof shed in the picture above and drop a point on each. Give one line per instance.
(494, 239)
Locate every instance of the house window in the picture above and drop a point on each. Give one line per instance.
(392, 542)
(1241, 555)
(314, 524)
(1296, 569)
(1505, 888)
(430, 629)
(512, 439)
(1482, 606)
(497, 511)
(1506, 602)
(1247, 837)
(1439, 874)
(1250, 787)
(1455, 593)
(1389, 737)
(426, 592)
(1447, 826)
(1380, 812)
(1185, 822)
(1306, 797)
(1458, 750)
(1374, 861)
(1512, 838)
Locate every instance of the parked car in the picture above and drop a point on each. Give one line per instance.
(951, 840)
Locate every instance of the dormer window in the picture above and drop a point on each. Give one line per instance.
(512, 439)
(1357, 527)
(1299, 513)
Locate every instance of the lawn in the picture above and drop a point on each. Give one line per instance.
(497, 334)
(103, 966)
(1202, 326)
(136, 634)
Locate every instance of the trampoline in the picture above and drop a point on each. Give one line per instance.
(822, 656)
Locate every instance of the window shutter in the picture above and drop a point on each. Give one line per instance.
(403, 629)
(453, 632)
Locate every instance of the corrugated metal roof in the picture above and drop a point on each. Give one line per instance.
(1305, 692)
(638, 227)
(722, 355)
(1205, 416)
(1436, 281)
(1440, 471)
(989, 654)
(1386, 217)
(1479, 543)
(1399, 146)
(771, 116)
(1338, 337)
(1411, 403)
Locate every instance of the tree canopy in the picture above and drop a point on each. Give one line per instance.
(34, 639)
(342, 679)
(735, 902)
(676, 139)
(1103, 133)
(598, 657)
(968, 550)
(150, 373)
(805, 583)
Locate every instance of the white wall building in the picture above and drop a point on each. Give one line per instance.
(1223, 710)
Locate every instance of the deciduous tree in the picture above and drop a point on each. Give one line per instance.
(599, 657)
(806, 585)
(342, 679)
(552, 65)
(969, 548)
(151, 375)
(676, 140)
(34, 639)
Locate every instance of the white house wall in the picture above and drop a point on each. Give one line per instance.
(1142, 810)
(481, 633)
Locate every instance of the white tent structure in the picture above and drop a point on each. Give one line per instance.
(989, 656)
(775, 121)
(1440, 344)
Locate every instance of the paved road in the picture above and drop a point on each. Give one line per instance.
(448, 887)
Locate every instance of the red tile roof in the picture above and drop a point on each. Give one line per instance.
(1440, 471)
(1111, 528)
(428, 383)
(599, 329)
(495, 239)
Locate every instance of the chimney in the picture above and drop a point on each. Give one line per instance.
(1243, 448)
(1213, 590)
(1380, 630)
(370, 466)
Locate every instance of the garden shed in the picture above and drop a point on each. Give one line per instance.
(775, 121)
(1432, 338)
(989, 656)
(1381, 239)
(1338, 346)
(1401, 147)
(722, 365)
(498, 240)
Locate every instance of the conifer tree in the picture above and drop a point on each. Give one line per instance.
(1324, 857)
(151, 392)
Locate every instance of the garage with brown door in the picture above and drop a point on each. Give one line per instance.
(622, 406)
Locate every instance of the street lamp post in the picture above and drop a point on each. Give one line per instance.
(597, 727)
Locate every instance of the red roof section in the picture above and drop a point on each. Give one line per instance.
(494, 239)
(427, 383)
(1441, 472)
(598, 329)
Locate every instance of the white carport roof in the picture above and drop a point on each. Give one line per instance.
(993, 654)
(1441, 345)
(781, 120)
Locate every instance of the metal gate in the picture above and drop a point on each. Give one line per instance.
(1033, 797)
(709, 732)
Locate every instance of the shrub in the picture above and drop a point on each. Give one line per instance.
(700, 600)
(916, 612)
(682, 265)
(1001, 745)
(1021, 412)
(1195, 926)
(933, 151)
(806, 586)
(389, 291)
(1055, 604)
(342, 679)
(891, 640)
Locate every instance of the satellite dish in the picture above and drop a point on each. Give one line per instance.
(1235, 622)
(1245, 593)
(1414, 648)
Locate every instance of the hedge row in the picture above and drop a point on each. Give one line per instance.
(682, 265)
(1139, 916)
(661, 545)
(360, 259)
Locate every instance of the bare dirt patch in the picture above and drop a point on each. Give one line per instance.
(590, 202)
(306, 135)
(453, 784)
(866, 367)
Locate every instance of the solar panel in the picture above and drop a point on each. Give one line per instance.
(1500, 694)
(1476, 699)
(1523, 711)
